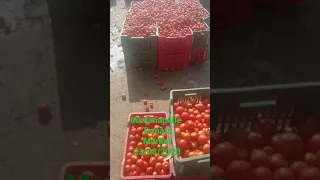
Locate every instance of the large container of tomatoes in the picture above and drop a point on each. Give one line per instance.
(192, 136)
(139, 41)
(137, 163)
(266, 133)
(92, 169)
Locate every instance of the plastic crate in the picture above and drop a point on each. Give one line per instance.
(140, 52)
(201, 177)
(242, 107)
(174, 52)
(194, 166)
(100, 169)
(201, 39)
(199, 55)
(157, 177)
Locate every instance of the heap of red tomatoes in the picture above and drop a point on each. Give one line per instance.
(264, 154)
(171, 18)
(141, 163)
(193, 134)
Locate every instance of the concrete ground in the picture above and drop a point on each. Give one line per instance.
(28, 78)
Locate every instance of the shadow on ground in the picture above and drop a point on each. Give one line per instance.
(279, 46)
(143, 82)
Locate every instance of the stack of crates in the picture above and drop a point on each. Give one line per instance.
(140, 52)
(201, 43)
(200, 46)
(174, 52)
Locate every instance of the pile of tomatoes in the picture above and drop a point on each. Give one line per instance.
(264, 154)
(171, 18)
(193, 134)
(138, 163)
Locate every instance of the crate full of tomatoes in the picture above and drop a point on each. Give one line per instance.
(192, 136)
(173, 22)
(139, 40)
(144, 160)
(266, 133)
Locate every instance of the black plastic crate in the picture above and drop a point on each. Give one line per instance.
(241, 107)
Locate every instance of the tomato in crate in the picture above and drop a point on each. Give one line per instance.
(275, 118)
(144, 154)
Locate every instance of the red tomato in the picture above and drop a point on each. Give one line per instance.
(149, 170)
(206, 118)
(183, 144)
(277, 161)
(206, 148)
(206, 102)
(284, 174)
(255, 141)
(310, 158)
(308, 128)
(202, 139)
(184, 116)
(183, 127)
(166, 166)
(314, 143)
(129, 155)
(127, 168)
(158, 167)
(236, 136)
(290, 145)
(186, 136)
(179, 110)
(131, 137)
(239, 170)
(193, 145)
(297, 166)
(217, 172)
(242, 154)
(200, 107)
(262, 173)
(310, 173)
(259, 158)
(194, 136)
(266, 127)
(139, 163)
(152, 161)
(223, 154)
(192, 117)
(268, 150)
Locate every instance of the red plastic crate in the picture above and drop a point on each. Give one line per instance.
(199, 55)
(156, 177)
(174, 52)
(100, 169)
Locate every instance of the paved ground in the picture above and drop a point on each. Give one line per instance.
(27, 78)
